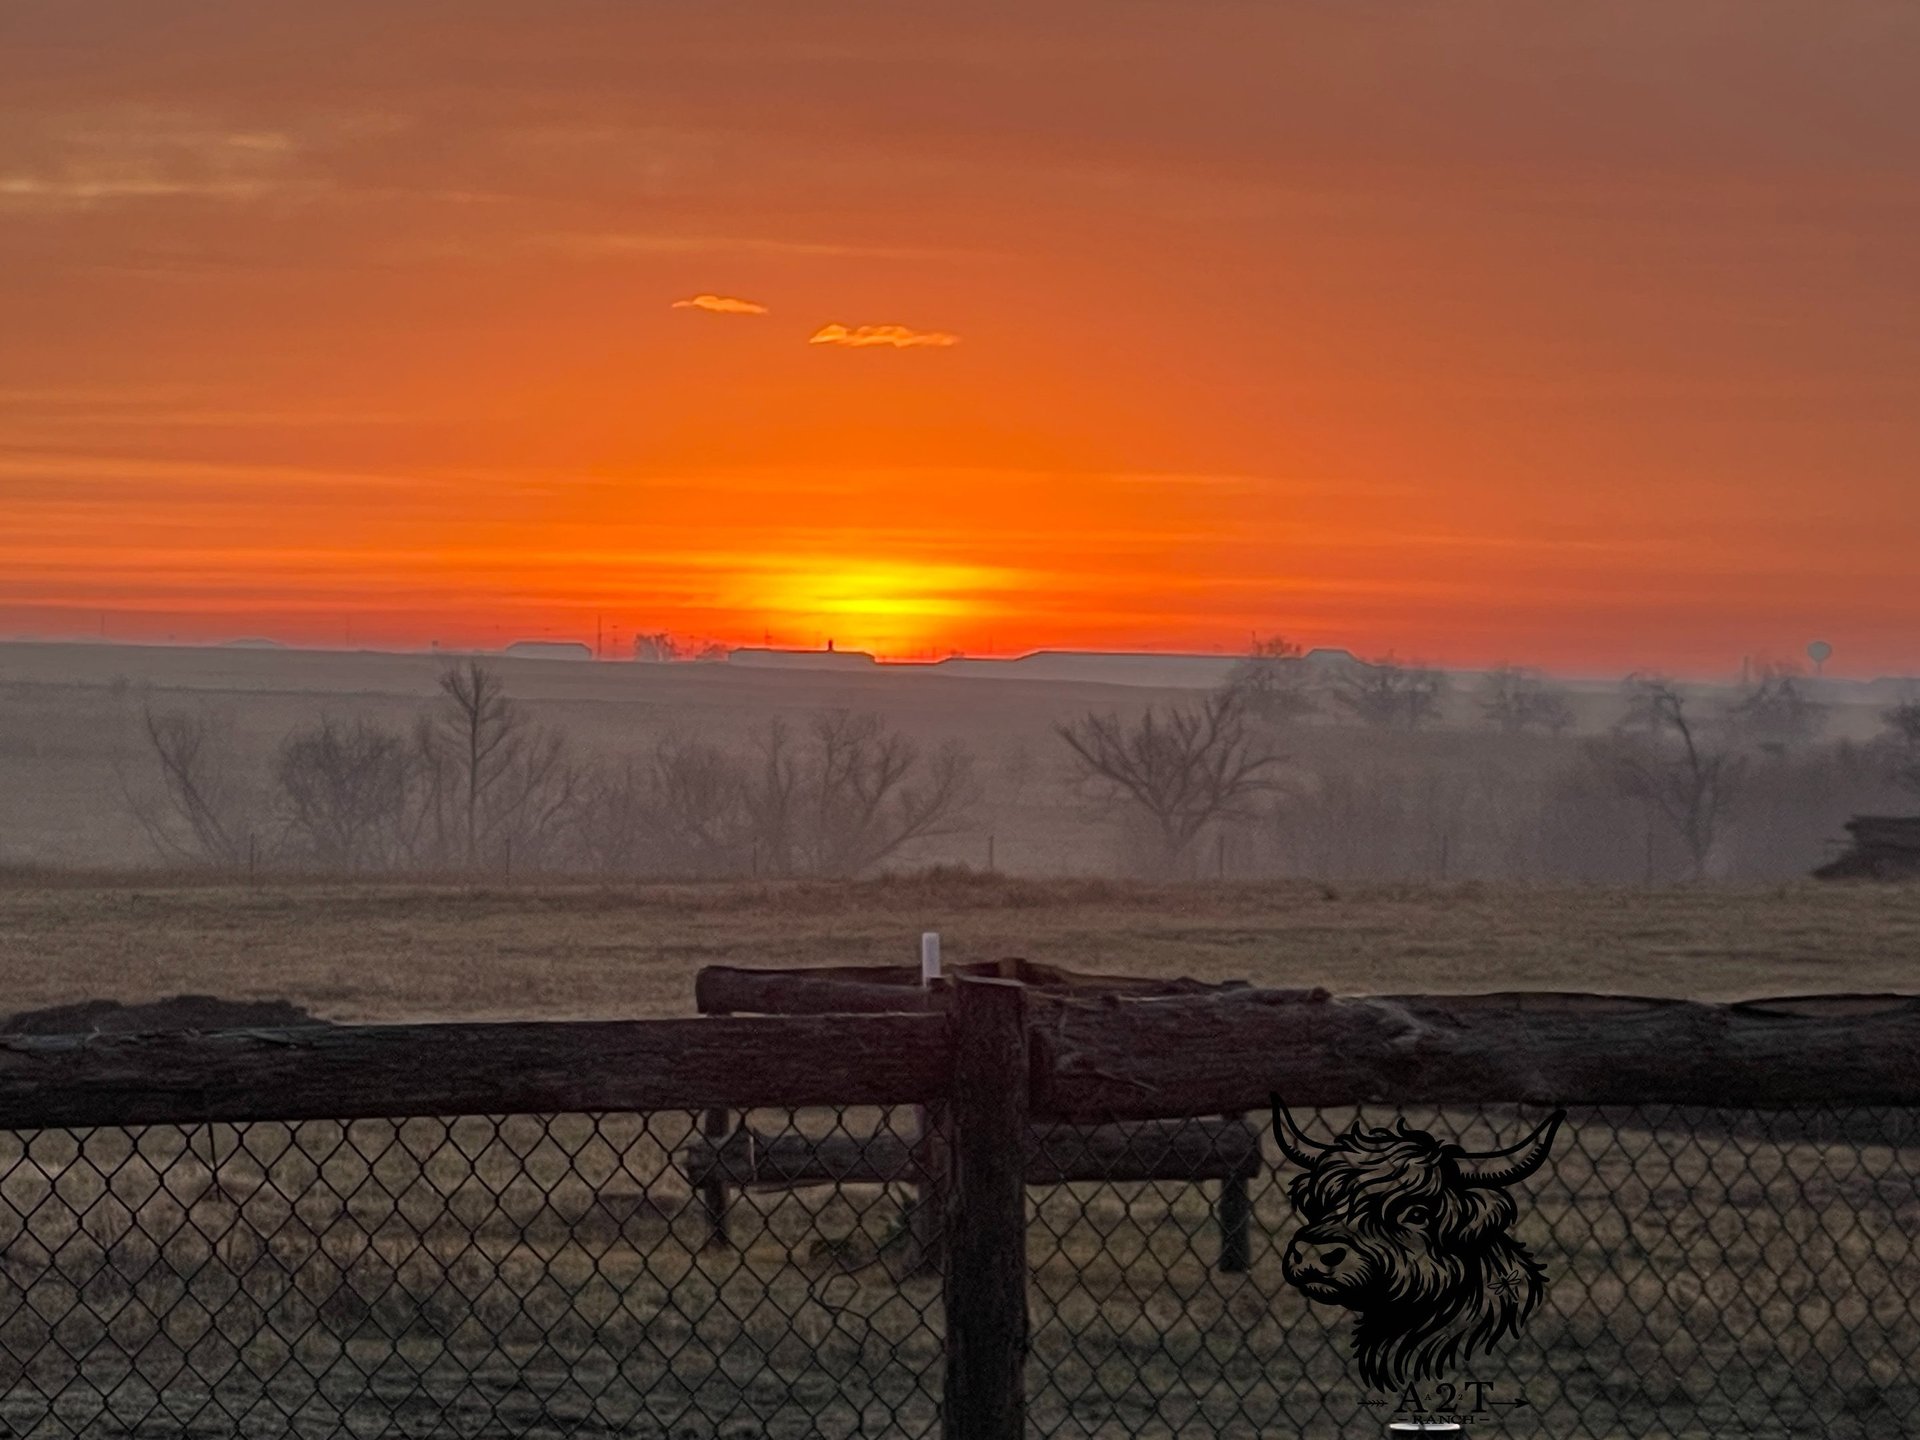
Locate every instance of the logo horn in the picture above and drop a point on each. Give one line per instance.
(1491, 1169)
(1294, 1142)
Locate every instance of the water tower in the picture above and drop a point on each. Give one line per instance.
(1819, 652)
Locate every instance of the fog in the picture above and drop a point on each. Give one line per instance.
(282, 762)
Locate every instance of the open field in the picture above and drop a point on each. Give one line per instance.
(1708, 1273)
(1452, 800)
(400, 951)
(70, 743)
(548, 1277)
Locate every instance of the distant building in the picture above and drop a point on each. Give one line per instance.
(767, 656)
(549, 650)
(1103, 667)
(1328, 658)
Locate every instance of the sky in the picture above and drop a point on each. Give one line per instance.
(1578, 335)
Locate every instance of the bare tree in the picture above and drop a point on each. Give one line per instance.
(508, 788)
(773, 799)
(1773, 710)
(205, 813)
(868, 792)
(835, 799)
(1389, 695)
(1184, 768)
(613, 822)
(1667, 758)
(1274, 682)
(533, 814)
(482, 733)
(679, 811)
(345, 792)
(1900, 738)
(698, 808)
(656, 646)
(1514, 699)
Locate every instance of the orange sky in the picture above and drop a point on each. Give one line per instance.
(1584, 335)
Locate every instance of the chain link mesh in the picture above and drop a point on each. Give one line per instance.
(1709, 1272)
(518, 1275)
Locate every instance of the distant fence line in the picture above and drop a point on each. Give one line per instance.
(263, 1150)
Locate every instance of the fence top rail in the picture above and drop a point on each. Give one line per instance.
(352, 1072)
(853, 989)
(1091, 1060)
(1227, 1052)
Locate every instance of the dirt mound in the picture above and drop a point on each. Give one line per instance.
(177, 1012)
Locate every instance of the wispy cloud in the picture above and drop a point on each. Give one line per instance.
(899, 337)
(721, 305)
(140, 155)
(666, 243)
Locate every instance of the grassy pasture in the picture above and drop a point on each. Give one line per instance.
(1708, 1274)
(1711, 1273)
(401, 951)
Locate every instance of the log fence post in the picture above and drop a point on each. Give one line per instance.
(1235, 1216)
(986, 1274)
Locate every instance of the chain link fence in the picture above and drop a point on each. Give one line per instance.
(518, 1275)
(1708, 1273)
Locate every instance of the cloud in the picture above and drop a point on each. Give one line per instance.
(898, 336)
(721, 305)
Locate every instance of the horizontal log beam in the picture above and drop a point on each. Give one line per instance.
(1200, 1149)
(1180, 1150)
(1223, 1054)
(351, 1072)
(749, 1158)
(869, 989)
(1112, 1059)
(863, 990)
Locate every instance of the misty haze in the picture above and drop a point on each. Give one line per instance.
(267, 761)
(1088, 719)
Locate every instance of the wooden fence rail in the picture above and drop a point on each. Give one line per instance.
(1091, 1061)
(350, 1072)
(997, 1054)
(1185, 1057)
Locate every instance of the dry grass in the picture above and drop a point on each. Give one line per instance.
(392, 952)
(518, 1276)
(458, 1278)
(537, 1277)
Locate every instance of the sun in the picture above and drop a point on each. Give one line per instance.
(888, 607)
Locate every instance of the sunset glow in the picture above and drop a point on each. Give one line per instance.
(1329, 321)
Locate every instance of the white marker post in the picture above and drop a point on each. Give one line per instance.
(932, 1150)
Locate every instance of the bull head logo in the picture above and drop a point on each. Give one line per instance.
(1410, 1233)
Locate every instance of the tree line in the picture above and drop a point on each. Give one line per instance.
(475, 786)
(1685, 767)
(1683, 783)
